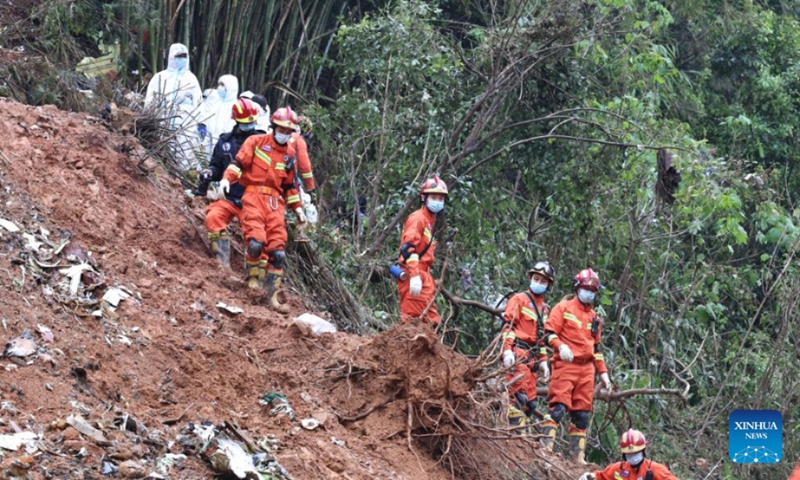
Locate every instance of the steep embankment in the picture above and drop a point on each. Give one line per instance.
(82, 196)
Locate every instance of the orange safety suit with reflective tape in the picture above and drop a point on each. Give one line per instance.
(219, 215)
(796, 473)
(624, 471)
(575, 324)
(303, 162)
(418, 233)
(523, 334)
(265, 169)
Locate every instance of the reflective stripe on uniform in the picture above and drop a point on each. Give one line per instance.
(307, 175)
(572, 318)
(263, 156)
(293, 199)
(529, 313)
(235, 169)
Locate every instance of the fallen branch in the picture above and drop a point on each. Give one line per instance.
(470, 303)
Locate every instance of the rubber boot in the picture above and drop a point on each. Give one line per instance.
(516, 419)
(549, 428)
(221, 247)
(255, 275)
(577, 444)
(273, 285)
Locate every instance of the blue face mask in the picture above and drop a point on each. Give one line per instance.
(181, 63)
(247, 127)
(537, 288)
(435, 206)
(222, 91)
(586, 296)
(282, 138)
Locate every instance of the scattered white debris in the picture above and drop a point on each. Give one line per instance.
(229, 308)
(318, 324)
(8, 225)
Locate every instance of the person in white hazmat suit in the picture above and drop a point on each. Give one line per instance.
(177, 91)
(216, 112)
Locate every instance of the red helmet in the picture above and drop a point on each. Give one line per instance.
(433, 185)
(285, 117)
(586, 279)
(244, 111)
(632, 441)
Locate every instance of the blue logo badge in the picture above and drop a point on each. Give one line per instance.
(755, 436)
(266, 148)
(226, 146)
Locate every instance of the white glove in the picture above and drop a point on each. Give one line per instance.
(588, 476)
(301, 216)
(415, 286)
(311, 213)
(565, 353)
(544, 370)
(224, 186)
(508, 358)
(606, 381)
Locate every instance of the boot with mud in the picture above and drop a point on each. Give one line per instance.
(549, 428)
(273, 285)
(577, 444)
(516, 419)
(221, 247)
(255, 276)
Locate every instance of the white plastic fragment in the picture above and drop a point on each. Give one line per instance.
(229, 308)
(114, 295)
(14, 441)
(8, 225)
(309, 423)
(74, 274)
(318, 324)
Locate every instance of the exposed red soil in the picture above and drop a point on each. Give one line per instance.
(66, 173)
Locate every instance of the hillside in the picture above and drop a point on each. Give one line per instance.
(81, 194)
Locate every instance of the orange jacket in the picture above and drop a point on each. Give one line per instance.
(624, 471)
(417, 234)
(525, 324)
(570, 322)
(796, 473)
(303, 162)
(262, 162)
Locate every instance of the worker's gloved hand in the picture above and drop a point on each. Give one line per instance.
(202, 131)
(544, 370)
(301, 216)
(214, 194)
(565, 352)
(415, 286)
(606, 381)
(588, 476)
(508, 358)
(313, 195)
(224, 187)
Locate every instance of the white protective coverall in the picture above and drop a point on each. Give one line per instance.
(217, 112)
(177, 91)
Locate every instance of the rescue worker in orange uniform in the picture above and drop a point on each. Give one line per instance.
(417, 248)
(523, 336)
(573, 331)
(635, 466)
(796, 473)
(265, 167)
(229, 206)
(305, 132)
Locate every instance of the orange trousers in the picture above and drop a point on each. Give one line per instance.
(527, 383)
(219, 215)
(796, 473)
(263, 220)
(572, 384)
(412, 307)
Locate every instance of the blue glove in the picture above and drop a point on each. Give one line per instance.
(202, 130)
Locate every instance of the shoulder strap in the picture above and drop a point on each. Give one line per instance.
(433, 231)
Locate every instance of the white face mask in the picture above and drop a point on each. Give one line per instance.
(537, 288)
(635, 458)
(586, 296)
(282, 138)
(435, 206)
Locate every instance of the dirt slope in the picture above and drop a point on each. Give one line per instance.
(167, 352)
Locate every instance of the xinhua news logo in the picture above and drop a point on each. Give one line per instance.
(755, 436)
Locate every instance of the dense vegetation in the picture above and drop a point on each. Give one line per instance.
(545, 118)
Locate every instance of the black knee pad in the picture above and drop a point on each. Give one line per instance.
(254, 248)
(277, 258)
(557, 411)
(580, 419)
